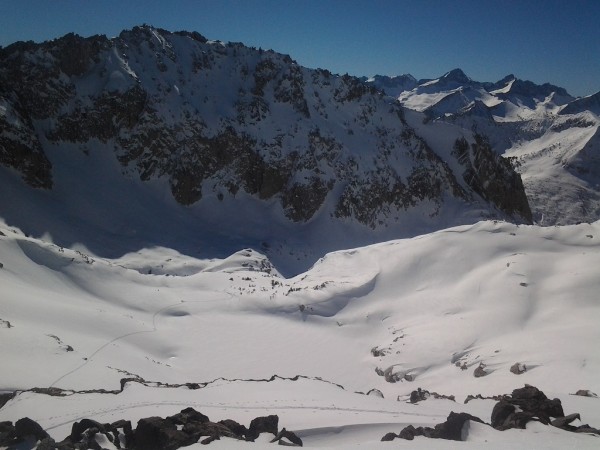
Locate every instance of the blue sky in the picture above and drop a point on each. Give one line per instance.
(543, 41)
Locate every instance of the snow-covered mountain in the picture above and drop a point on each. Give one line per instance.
(229, 146)
(550, 136)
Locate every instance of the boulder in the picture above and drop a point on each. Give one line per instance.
(418, 395)
(518, 368)
(585, 393)
(188, 415)
(375, 393)
(236, 428)
(266, 424)
(480, 371)
(79, 428)
(501, 412)
(455, 428)
(389, 437)
(199, 430)
(156, 433)
(26, 427)
(408, 433)
(289, 438)
(563, 422)
(7, 433)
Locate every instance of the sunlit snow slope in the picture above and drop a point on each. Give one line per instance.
(429, 309)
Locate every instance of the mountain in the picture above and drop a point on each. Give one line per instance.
(550, 137)
(169, 206)
(170, 139)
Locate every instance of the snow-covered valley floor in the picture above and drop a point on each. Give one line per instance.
(423, 312)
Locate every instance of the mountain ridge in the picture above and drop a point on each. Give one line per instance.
(221, 122)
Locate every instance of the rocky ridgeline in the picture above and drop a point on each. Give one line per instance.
(152, 433)
(215, 119)
(511, 411)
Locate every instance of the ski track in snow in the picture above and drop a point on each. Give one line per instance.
(126, 335)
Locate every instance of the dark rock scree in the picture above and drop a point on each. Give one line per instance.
(512, 411)
(152, 433)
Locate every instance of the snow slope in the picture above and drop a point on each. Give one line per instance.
(420, 309)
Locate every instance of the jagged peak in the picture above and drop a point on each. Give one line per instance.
(456, 75)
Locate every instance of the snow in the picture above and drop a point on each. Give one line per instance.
(491, 293)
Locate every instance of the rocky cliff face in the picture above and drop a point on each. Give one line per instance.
(216, 119)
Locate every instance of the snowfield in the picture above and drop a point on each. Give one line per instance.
(423, 312)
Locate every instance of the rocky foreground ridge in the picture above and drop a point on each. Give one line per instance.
(216, 120)
(190, 426)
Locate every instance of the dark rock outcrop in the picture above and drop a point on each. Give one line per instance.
(312, 141)
(512, 411)
(27, 427)
(492, 176)
(266, 424)
(156, 433)
(454, 429)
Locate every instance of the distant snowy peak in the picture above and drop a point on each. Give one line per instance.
(589, 103)
(393, 86)
(455, 75)
(454, 92)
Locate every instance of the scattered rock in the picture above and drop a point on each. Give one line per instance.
(288, 438)
(389, 437)
(418, 395)
(518, 368)
(156, 433)
(455, 428)
(239, 430)
(480, 371)
(581, 392)
(188, 415)
(7, 433)
(26, 427)
(524, 405)
(375, 393)
(512, 411)
(267, 424)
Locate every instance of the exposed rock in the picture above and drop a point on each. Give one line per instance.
(480, 371)
(188, 415)
(199, 430)
(156, 433)
(491, 176)
(375, 393)
(239, 430)
(389, 437)
(581, 392)
(418, 395)
(289, 438)
(365, 158)
(524, 405)
(455, 428)
(563, 422)
(5, 397)
(79, 428)
(26, 427)
(7, 433)
(518, 368)
(266, 424)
